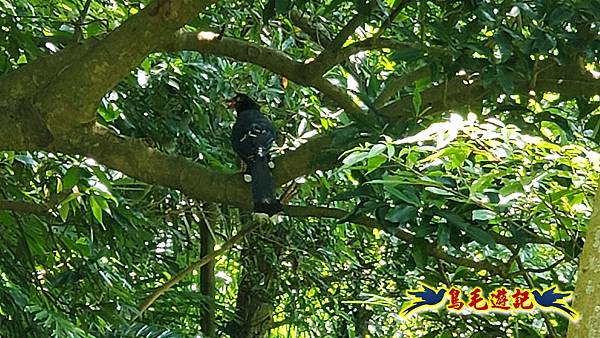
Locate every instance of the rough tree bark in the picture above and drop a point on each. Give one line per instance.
(257, 289)
(587, 288)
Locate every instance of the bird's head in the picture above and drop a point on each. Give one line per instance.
(242, 102)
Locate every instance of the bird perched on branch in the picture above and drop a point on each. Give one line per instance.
(251, 138)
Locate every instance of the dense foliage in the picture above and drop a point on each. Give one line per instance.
(467, 164)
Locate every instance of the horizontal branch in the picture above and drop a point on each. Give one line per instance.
(268, 58)
(569, 80)
(431, 249)
(321, 152)
(24, 207)
(137, 160)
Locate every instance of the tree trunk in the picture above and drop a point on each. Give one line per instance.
(257, 288)
(207, 273)
(587, 290)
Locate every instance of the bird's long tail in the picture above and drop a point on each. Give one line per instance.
(263, 189)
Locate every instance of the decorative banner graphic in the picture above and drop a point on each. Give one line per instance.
(500, 300)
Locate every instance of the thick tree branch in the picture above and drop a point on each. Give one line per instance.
(317, 33)
(24, 207)
(268, 58)
(135, 159)
(395, 84)
(569, 80)
(68, 104)
(319, 153)
(326, 59)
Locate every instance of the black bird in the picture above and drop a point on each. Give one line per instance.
(251, 138)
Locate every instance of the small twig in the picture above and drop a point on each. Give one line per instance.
(390, 19)
(221, 33)
(80, 22)
(318, 34)
(323, 212)
(531, 284)
(346, 31)
(542, 270)
(195, 265)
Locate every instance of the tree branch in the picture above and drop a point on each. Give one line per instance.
(318, 34)
(68, 104)
(569, 80)
(395, 84)
(327, 58)
(24, 207)
(137, 160)
(78, 25)
(431, 249)
(390, 19)
(197, 264)
(268, 58)
(321, 152)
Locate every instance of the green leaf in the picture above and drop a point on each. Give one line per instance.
(416, 102)
(406, 196)
(96, 208)
(474, 232)
(101, 175)
(512, 187)
(402, 214)
(71, 197)
(443, 234)
(408, 54)
(71, 178)
(354, 158)
(63, 211)
(559, 15)
(377, 149)
(505, 47)
(419, 252)
(483, 215)
(282, 6)
(439, 191)
(505, 78)
(375, 162)
(542, 41)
